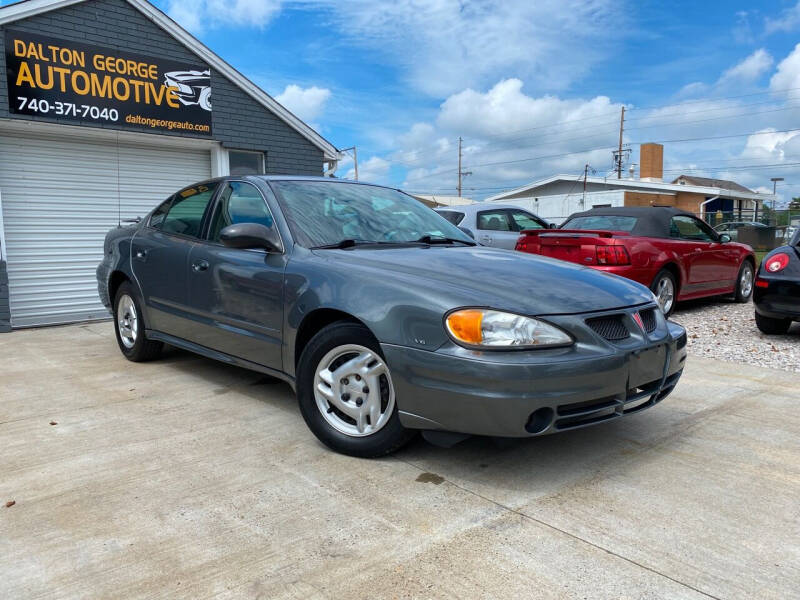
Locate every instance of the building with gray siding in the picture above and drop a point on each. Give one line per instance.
(107, 107)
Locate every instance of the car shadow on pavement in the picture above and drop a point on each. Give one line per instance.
(504, 462)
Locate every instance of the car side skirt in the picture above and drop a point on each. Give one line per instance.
(220, 356)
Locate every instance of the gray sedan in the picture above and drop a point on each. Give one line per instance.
(384, 316)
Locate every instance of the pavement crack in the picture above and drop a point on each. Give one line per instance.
(567, 533)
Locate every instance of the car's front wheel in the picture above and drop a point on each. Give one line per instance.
(130, 327)
(346, 394)
(744, 283)
(772, 326)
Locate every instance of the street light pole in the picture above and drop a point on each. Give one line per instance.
(774, 181)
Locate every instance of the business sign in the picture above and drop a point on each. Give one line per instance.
(48, 77)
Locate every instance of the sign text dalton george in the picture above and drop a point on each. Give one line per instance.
(48, 77)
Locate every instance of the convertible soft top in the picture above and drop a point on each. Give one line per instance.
(652, 221)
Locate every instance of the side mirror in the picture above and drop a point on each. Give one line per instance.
(552, 226)
(468, 232)
(251, 235)
(724, 238)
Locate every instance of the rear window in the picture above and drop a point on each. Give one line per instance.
(452, 216)
(602, 223)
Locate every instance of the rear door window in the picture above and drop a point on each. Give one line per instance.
(185, 216)
(494, 220)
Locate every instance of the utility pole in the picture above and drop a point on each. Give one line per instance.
(619, 151)
(585, 175)
(460, 172)
(355, 159)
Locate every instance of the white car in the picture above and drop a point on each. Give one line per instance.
(492, 223)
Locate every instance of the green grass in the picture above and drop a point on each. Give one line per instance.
(760, 254)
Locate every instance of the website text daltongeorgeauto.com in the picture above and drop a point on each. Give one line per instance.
(162, 123)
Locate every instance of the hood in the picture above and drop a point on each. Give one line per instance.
(503, 279)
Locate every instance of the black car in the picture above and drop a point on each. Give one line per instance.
(777, 289)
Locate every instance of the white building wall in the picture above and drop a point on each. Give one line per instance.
(556, 208)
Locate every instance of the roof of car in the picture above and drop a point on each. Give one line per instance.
(652, 221)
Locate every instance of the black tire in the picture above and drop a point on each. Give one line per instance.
(666, 275)
(139, 349)
(772, 326)
(742, 293)
(389, 438)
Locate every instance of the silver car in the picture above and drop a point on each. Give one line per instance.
(492, 223)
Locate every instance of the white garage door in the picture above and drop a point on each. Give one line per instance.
(60, 195)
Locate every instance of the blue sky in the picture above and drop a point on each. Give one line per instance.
(522, 80)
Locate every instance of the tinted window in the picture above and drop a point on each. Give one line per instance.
(157, 218)
(322, 213)
(494, 220)
(185, 216)
(602, 223)
(689, 228)
(239, 203)
(522, 220)
(452, 216)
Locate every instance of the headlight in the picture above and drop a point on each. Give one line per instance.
(495, 329)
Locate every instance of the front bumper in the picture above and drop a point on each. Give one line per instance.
(528, 393)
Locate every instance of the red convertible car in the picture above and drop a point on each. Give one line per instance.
(675, 254)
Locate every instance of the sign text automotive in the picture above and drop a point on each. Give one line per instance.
(48, 77)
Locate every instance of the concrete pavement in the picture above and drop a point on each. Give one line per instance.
(185, 478)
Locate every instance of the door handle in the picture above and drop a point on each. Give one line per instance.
(200, 265)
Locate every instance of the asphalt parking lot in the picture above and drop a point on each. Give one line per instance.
(186, 478)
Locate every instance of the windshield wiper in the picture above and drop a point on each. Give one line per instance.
(435, 239)
(349, 243)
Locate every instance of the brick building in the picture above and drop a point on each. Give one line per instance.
(556, 197)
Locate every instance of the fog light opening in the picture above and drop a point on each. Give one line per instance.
(539, 420)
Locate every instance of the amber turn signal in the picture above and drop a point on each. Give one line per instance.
(465, 326)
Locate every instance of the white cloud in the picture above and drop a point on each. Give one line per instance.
(446, 45)
(750, 69)
(787, 75)
(373, 170)
(787, 21)
(306, 103)
(197, 15)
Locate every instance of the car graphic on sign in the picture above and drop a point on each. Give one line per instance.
(193, 87)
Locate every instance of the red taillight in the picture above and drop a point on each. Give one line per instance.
(612, 255)
(522, 244)
(776, 263)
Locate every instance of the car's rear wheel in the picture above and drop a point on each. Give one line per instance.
(130, 327)
(772, 326)
(744, 282)
(346, 395)
(665, 289)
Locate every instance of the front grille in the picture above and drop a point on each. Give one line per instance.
(611, 327)
(649, 319)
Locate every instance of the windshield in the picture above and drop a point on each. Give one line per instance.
(602, 223)
(322, 213)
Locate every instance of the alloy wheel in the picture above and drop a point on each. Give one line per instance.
(127, 321)
(746, 281)
(665, 292)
